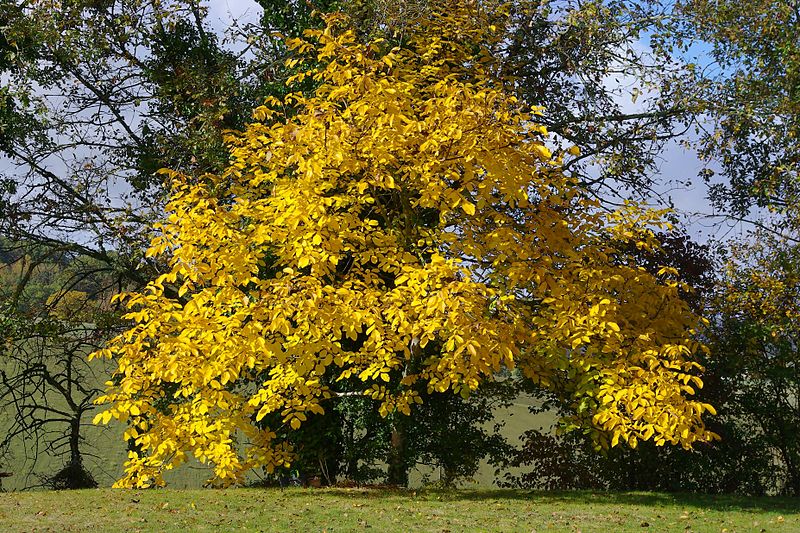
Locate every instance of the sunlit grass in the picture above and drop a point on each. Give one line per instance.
(384, 510)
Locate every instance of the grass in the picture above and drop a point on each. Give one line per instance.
(334, 510)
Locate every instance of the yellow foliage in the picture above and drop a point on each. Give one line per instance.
(403, 228)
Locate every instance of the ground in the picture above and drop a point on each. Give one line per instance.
(334, 510)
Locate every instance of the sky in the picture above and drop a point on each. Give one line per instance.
(222, 13)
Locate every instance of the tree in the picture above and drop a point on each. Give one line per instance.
(759, 306)
(403, 230)
(94, 98)
(611, 83)
(572, 52)
(47, 387)
(748, 94)
(750, 97)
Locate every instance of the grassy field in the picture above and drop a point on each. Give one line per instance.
(383, 510)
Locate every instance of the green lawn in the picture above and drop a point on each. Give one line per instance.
(381, 510)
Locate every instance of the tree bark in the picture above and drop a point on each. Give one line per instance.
(75, 458)
(398, 468)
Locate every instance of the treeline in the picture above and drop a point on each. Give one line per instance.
(96, 97)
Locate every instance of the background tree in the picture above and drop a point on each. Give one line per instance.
(749, 95)
(94, 97)
(47, 386)
(757, 330)
(749, 376)
(609, 83)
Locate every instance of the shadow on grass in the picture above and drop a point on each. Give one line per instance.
(783, 505)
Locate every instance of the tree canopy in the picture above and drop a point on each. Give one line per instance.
(401, 229)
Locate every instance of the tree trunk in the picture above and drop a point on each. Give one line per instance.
(792, 487)
(75, 458)
(398, 468)
(447, 476)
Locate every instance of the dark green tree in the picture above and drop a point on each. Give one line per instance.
(749, 96)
